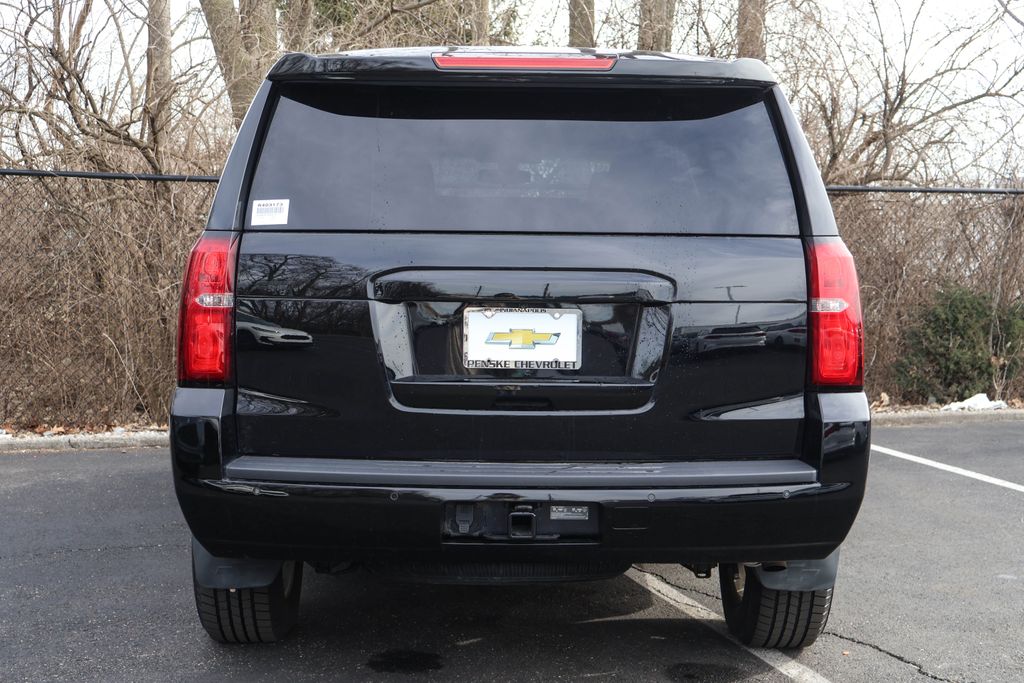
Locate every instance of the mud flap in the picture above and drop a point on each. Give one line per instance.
(801, 575)
(230, 572)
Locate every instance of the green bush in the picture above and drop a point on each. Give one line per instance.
(958, 346)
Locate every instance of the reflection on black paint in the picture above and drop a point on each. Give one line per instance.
(255, 403)
(253, 331)
(290, 275)
(301, 316)
(338, 265)
(742, 335)
(325, 289)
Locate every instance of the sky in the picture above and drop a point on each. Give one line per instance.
(546, 22)
(550, 17)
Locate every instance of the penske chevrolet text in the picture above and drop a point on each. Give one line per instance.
(518, 315)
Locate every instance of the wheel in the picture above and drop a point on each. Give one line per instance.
(762, 617)
(251, 615)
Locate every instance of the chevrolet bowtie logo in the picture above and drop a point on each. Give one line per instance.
(522, 339)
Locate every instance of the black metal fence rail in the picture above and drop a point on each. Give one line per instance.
(910, 189)
(105, 175)
(834, 189)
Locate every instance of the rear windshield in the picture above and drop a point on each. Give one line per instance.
(347, 157)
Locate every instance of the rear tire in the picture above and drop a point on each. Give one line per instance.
(251, 615)
(762, 617)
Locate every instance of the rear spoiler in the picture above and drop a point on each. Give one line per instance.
(474, 62)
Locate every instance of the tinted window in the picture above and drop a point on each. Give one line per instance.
(524, 159)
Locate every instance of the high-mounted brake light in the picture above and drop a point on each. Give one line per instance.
(517, 62)
(207, 310)
(837, 329)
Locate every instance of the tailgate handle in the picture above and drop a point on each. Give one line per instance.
(522, 404)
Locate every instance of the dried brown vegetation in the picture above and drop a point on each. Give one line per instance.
(909, 248)
(89, 280)
(89, 291)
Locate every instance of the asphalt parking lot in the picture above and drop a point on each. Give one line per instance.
(94, 585)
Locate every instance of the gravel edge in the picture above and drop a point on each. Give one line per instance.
(916, 417)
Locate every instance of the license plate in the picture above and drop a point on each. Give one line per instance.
(522, 338)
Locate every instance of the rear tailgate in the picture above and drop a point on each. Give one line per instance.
(485, 274)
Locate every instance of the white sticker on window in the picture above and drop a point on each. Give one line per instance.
(269, 212)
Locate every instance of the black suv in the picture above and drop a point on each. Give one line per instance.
(472, 315)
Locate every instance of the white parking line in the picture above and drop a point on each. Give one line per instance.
(949, 468)
(788, 667)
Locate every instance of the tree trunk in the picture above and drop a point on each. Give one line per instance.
(750, 29)
(258, 20)
(297, 22)
(481, 21)
(656, 19)
(581, 23)
(159, 83)
(245, 42)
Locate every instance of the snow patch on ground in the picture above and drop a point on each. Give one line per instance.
(117, 438)
(974, 403)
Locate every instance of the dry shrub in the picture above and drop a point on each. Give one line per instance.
(909, 247)
(89, 290)
(90, 280)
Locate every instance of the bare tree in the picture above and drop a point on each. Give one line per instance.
(297, 24)
(750, 18)
(159, 81)
(581, 23)
(705, 27)
(1009, 12)
(245, 42)
(480, 17)
(93, 86)
(656, 21)
(875, 110)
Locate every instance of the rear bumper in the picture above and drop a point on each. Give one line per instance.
(334, 522)
(327, 510)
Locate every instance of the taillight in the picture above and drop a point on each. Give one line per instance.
(207, 307)
(519, 61)
(837, 329)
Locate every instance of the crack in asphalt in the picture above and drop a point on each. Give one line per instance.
(676, 585)
(877, 648)
(898, 657)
